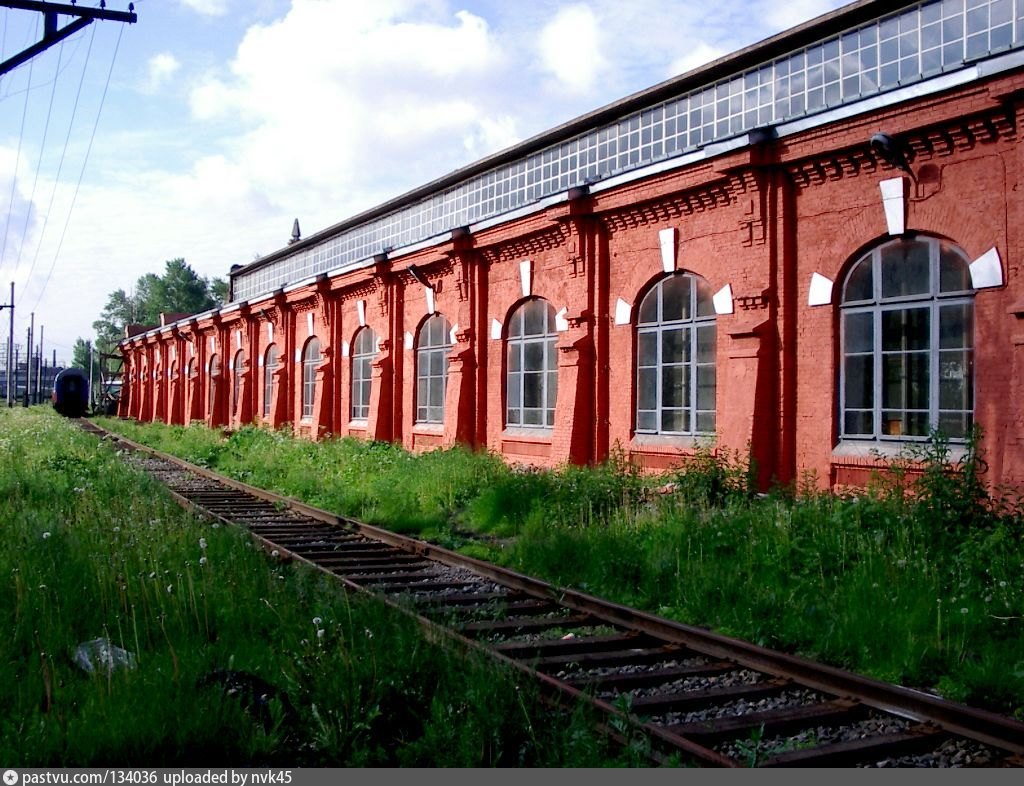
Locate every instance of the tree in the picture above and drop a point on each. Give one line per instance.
(85, 358)
(179, 290)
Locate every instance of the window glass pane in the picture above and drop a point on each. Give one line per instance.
(649, 308)
(647, 388)
(674, 420)
(551, 390)
(675, 298)
(514, 359)
(436, 388)
(954, 274)
(905, 377)
(955, 382)
(954, 425)
(706, 344)
(675, 346)
(905, 269)
(535, 318)
(532, 389)
(673, 386)
(533, 417)
(514, 392)
(860, 284)
(647, 421)
(705, 422)
(906, 329)
(551, 353)
(705, 303)
(860, 381)
(859, 332)
(533, 356)
(647, 349)
(706, 387)
(857, 423)
(955, 326)
(512, 417)
(437, 362)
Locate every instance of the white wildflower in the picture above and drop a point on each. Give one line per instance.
(202, 544)
(202, 561)
(46, 535)
(317, 621)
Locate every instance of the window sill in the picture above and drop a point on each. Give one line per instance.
(428, 428)
(528, 433)
(673, 441)
(882, 453)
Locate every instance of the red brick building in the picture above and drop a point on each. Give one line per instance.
(808, 250)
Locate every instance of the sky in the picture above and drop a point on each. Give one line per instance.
(206, 128)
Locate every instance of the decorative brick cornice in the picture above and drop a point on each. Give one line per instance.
(528, 245)
(922, 146)
(674, 207)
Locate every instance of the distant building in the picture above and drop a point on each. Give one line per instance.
(809, 250)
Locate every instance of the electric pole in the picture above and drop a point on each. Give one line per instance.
(28, 359)
(52, 34)
(10, 347)
(39, 368)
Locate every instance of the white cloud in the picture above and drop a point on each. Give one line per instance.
(332, 108)
(782, 16)
(159, 70)
(339, 102)
(207, 7)
(571, 47)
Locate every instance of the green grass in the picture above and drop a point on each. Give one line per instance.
(92, 549)
(916, 582)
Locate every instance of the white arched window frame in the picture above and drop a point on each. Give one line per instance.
(433, 343)
(212, 383)
(531, 383)
(236, 390)
(907, 338)
(270, 361)
(675, 361)
(364, 350)
(310, 360)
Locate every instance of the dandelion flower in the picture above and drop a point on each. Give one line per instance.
(46, 535)
(963, 611)
(317, 621)
(202, 561)
(170, 588)
(202, 544)
(320, 633)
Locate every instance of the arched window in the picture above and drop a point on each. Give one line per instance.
(270, 360)
(212, 382)
(675, 367)
(432, 347)
(532, 379)
(310, 359)
(908, 343)
(364, 349)
(236, 391)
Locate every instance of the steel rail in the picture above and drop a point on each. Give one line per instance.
(640, 638)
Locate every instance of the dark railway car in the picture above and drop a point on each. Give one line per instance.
(71, 392)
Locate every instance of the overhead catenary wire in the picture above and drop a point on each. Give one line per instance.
(85, 162)
(17, 162)
(39, 161)
(60, 165)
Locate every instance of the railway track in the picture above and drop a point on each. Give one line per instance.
(696, 696)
